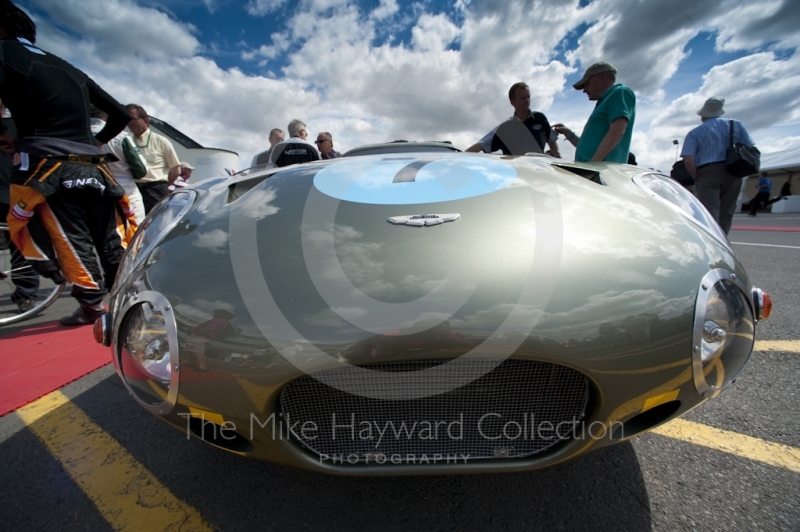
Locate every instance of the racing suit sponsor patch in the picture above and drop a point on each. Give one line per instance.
(84, 182)
(19, 212)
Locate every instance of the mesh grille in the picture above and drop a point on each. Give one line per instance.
(510, 412)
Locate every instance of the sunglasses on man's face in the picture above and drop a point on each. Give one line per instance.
(319, 141)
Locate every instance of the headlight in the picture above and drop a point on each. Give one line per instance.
(723, 332)
(146, 342)
(155, 227)
(147, 351)
(673, 194)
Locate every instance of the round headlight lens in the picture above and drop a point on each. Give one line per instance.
(715, 327)
(147, 343)
(145, 355)
(723, 332)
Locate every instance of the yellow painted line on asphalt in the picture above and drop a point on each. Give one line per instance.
(127, 495)
(778, 345)
(774, 454)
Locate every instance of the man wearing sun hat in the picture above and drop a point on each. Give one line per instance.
(607, 134)
(704, 154)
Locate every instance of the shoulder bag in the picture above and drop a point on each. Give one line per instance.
(741, 160)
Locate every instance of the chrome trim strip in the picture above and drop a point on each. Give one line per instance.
(718, 235)
(709, 280)
(162, 305)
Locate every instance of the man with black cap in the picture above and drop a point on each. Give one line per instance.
(704, 153)
(607, 134)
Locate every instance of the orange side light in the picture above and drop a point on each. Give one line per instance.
(97, 330)
(766, 308)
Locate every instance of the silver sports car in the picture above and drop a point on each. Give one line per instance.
(429, 312)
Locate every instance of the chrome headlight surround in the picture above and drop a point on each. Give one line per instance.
(158, 223)
(157, 304)
(671, 193)
(723, 333)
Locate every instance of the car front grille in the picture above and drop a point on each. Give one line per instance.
(518, 409)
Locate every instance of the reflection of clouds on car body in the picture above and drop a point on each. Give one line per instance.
(585, 321)
(336, 267)
(216, 241)
(663, 272)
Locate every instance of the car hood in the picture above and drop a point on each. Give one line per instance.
(527, 254)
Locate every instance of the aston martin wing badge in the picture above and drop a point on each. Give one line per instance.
(420, 220)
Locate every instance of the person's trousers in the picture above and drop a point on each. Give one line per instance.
(717, 189)
(90, 226)
(761, 199)
(152, 193)
(80, 236)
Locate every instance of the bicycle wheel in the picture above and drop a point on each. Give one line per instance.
(12, 267)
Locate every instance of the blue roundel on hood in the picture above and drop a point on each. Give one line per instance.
(408, 180)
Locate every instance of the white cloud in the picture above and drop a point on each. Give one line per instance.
(759, 89)
(755, 23)
(644, 40)
(259, 8)
(386, 9)
(344, 69)
(433, 33)
(211, 5)
(113, 28)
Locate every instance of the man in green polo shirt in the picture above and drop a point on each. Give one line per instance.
(607, 134)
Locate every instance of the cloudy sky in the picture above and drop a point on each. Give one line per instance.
(225, 71)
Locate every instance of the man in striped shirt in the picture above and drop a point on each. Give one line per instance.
(704, 152)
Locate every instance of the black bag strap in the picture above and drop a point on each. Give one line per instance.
(731, 122)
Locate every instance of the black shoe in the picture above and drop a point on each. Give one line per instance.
(24, 305)
(82, 316)
(751, 214)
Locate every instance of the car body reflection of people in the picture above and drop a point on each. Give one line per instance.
(217, 328)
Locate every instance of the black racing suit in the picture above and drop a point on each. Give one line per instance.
(63, 179)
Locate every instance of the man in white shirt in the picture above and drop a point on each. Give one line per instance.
(162, 161)
(130, 163)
